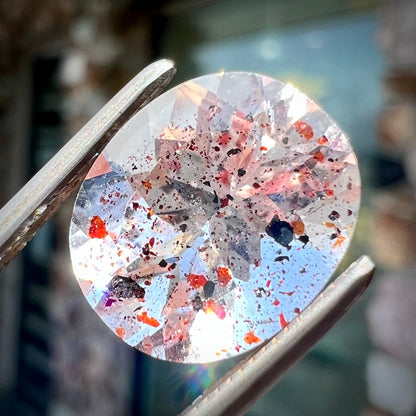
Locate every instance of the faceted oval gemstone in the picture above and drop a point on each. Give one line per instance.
(214, 217)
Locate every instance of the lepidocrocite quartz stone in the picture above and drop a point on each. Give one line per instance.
(214, 217)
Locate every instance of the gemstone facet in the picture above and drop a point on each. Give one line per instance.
(214, 217)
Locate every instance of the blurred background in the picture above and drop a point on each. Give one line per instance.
(61, 60)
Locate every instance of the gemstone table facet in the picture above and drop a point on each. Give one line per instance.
(214, 217)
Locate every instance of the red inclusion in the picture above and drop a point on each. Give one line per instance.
(97, 228)
(224, 139)
(283, 321)
(276, 302)
(174, 165)
(288, 293)
(329, 192)
(223, 177)
(224, 276)
(197, 280)
(224, 202)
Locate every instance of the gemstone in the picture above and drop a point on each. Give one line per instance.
(214, 217)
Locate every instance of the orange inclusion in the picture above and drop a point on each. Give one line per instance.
(322, 140)
(224, 276)
(250, 338)
(304, 129)
(339, 241)
(298, 227)
(147, 184)
(97, 228)
(146, 319)
(121, 332)
(212, 307)
(319, 156)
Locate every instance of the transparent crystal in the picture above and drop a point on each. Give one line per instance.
(214, 217)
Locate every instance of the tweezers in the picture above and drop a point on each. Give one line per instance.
(35, 203)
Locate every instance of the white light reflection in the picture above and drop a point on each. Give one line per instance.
(267, 142)
(298, 100)
(209, 332)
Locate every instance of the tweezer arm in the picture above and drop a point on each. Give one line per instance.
(246, 382)
(35, 203)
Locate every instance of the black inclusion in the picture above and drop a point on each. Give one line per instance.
(280, 231)
(124, 287)
(209, 288)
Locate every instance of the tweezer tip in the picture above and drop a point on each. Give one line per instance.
(363, 270)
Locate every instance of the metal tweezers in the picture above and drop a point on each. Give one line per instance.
(35, 203)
